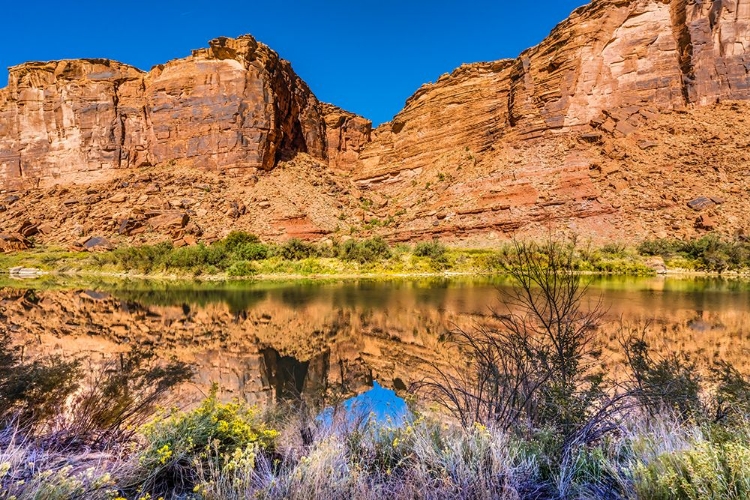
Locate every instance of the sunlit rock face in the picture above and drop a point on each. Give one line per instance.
(626, 112)
(566, 134)
(235, 104)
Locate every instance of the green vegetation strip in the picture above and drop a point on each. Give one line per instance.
(525, 412)
(242, 255)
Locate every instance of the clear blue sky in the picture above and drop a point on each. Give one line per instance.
(367, 57)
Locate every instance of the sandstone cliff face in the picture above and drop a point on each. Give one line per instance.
(596, 130)
(62, 118)
(233, 105)
(515, 144)
(347, 135)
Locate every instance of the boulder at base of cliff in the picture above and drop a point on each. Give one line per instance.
(95, 244)
(13, 243)
(169, 220)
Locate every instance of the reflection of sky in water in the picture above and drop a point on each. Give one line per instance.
(379, 404)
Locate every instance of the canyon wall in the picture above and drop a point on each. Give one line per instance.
(233, 105)
(555, 135)
(609, 127)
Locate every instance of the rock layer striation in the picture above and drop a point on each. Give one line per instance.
(235, 104)
(513, 144)
(590, 129)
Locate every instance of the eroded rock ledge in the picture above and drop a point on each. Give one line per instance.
(233, 105)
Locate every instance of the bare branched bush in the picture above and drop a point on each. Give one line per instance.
(538, 367)
(116, 399)
(69, 405)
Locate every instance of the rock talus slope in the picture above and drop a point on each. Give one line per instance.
(595, 130)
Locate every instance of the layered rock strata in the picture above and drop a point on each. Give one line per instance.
(596, 130)
(511, 145)
(233, 105)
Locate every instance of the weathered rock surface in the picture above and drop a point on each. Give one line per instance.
(299, 198)
(512, 146)
(629, 110)
(347, 135)
(235, 104)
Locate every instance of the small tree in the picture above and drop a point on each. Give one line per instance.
(537, 368)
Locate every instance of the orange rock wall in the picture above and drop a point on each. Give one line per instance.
(613, 62)
(235, 104)
(606, 128)
(523, 146)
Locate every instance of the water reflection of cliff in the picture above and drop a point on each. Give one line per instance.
(260, 342)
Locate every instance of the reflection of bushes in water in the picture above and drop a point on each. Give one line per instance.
(83, 406)
(296, 296)
(201, 296)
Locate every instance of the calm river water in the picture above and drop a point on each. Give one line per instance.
(261, 341)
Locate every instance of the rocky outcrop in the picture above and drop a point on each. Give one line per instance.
(61, 119)
(507, 147)
(299, 198)
(233, 105)
(347, 135)
(597, 130)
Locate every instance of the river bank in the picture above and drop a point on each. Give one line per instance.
(244, 256)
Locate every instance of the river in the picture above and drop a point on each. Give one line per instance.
(265, 340)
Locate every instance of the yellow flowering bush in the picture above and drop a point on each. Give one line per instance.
(228, 435)
(708, 470)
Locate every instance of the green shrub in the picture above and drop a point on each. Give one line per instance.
(33, 392)
(614, 249)
(369, 250)
(252, 251)
(431, 249)
(731, 401)
(296, 249)
(146, 258)
(671, 383)
(708, 470)
(236, 239)
(662, 247)
(709, 252)
(435, 251)
(219, 435)
(102, 405)
(241, 268)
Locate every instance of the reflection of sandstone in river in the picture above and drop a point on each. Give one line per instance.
(263, 341)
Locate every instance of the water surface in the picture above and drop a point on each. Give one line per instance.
(265, 340)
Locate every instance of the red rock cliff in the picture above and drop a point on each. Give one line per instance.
(235, 104)
(514, 143)
(605, 64)
(608, 128)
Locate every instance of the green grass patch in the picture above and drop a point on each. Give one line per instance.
(243, 255)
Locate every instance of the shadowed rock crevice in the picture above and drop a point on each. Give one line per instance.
(684, 46)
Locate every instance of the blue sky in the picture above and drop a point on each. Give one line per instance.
(367, 57)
